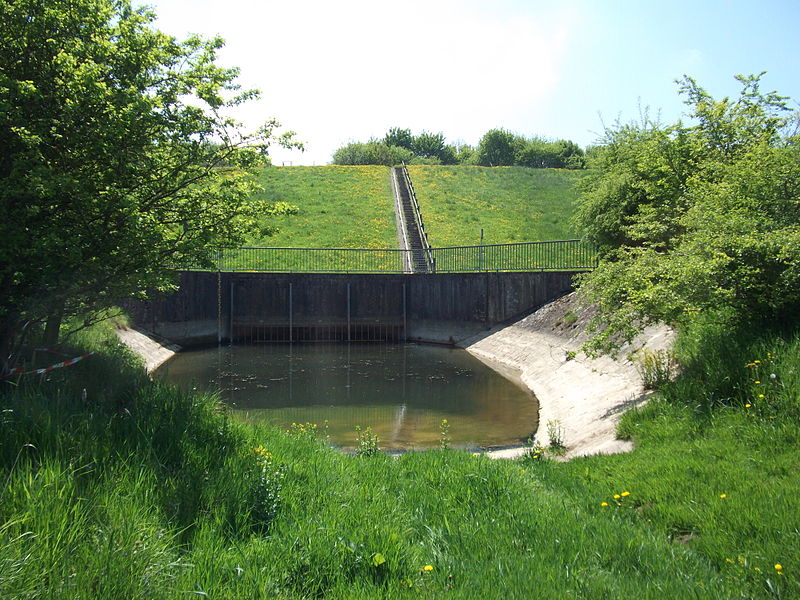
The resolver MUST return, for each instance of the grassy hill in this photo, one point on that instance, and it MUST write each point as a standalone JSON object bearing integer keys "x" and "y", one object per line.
{"x": 352, "y": 206}
{"x": 340, "y": 207}
{"x": 511, "y": 204}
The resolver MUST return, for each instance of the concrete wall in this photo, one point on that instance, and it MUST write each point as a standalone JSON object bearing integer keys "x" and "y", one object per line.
{"x": 428, "y": 307}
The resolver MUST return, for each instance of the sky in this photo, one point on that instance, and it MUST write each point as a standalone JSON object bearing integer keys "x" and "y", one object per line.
{"x": 349, "y": 70}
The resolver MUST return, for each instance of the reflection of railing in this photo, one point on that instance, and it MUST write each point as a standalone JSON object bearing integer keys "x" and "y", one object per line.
{"x": 562, "y": 255}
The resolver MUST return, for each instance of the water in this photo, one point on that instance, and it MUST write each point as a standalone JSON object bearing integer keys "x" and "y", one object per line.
{"x": 402, "y": 391}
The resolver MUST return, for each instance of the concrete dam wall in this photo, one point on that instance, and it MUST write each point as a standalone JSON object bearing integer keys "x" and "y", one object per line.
{"x": 210, "y": 307}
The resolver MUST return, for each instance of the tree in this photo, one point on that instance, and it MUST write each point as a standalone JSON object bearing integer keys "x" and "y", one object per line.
{"x": 696, "y": 218}
{"x": 118, "y": 158}
{"x": 499, "y": 148}
{"x": 401, "y": 138}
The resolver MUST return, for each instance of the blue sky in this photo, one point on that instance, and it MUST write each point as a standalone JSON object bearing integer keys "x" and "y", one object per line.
{"x": 344, "y": 71}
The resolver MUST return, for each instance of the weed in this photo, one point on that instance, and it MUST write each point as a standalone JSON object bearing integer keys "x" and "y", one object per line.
{"x": 367, "y": 442}
{"x": 655, "y": 368}
{"x": 555, "y": 436}
{"x": 444, "y": 435}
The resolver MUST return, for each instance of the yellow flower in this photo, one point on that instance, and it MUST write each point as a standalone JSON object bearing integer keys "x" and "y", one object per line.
{"x": 757, "y": 382}
{"x": 779, "y": 567}
{"x": 761, "y": 395}
{"x": 616, "y": 496}
{"x": 757, "y": 362}
{"x": 604, "y": 504}
{"x": 625, "y": 494}
{"x": 723, "y": 496}
{"x": 475, "y": 454}
{"x": 747, "y": 405}
{"x": 427, "y": 568}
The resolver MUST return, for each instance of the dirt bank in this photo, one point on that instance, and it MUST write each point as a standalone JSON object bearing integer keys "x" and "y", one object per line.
{"x": 585, "y": 395}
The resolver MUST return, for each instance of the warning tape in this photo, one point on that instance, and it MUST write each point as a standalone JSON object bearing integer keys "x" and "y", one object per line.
{"x": 66, "y": 363}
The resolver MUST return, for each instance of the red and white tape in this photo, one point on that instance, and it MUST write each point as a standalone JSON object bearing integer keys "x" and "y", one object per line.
{"x": 66, "y": 363}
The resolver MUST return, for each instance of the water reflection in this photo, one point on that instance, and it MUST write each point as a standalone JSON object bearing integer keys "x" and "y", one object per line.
{"x": 402, "y": 391}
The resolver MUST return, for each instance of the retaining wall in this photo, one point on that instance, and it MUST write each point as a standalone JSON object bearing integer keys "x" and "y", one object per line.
{"x": 210, "y": 307}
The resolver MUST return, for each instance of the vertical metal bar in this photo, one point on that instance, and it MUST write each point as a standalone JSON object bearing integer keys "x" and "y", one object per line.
{"x": 291, "y": 335}
{"x": 230, "y": 337}
{"x": 348, "y": 311}
{"x": 405, "y": 322}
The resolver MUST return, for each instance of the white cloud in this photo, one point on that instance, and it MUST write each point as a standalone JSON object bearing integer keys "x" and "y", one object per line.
{"x": 342, "y": 71}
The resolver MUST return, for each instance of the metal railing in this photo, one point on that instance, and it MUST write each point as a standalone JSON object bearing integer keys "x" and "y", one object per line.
{"x": 561, "y": 255}
{"x": 426, "y": 247}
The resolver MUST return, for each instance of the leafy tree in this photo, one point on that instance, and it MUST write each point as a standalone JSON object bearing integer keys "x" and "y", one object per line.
{"x": 371, "y": 153}
{"x": 401, "y": 138}
{"x": 118, "y": 159}
{"x": 498, "y": 148}
{"x": 698, "y": 217}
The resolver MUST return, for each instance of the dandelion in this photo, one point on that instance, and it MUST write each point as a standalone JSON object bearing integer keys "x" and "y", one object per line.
{"x": 758, "y": 362}
{"x": 757, "y": 382}
{"x": 748, "y": 405}
{"x": 617, "y": 496}
{"x": 779, "y": 567}
{"x": 475, "y": 454}
{"x": 427, "y": 568}
{"x": 723, "y": 496}
{"x": 761, "y": 395}
{"x": 604, "y": 504}
{"x": 623, "y": 494}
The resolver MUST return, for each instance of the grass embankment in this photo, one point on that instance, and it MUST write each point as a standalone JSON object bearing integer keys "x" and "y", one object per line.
{"x": 339, "y": 207}
{"x": 511, "y": 204}
{"x": 132, "y": 489}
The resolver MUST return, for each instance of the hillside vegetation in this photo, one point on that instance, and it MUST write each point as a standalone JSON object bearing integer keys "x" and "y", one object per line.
{"x": 511, "y": 204}
{"x": 337, "y": 207}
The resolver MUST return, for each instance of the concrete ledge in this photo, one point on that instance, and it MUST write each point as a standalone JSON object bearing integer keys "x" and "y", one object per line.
{"x": 586, "y": 396}
{"x": 152, "y": 352}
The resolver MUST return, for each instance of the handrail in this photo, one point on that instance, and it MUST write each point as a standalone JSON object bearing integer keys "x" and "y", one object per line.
{"x": 556, "y": 255}
{"x": 426, "y": 247}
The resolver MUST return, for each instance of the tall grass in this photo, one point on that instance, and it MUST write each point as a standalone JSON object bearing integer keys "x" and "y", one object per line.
{"x": 136, "y": 490}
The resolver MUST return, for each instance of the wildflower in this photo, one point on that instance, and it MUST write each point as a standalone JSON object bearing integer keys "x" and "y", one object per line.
{"x": 758, "y": 362}
{"x": 779, "y": 567}
{"x": 761, "y": 395}
{"x": 604, "y": 504}
{"x": 757, "y": 382}
{"x": 623, "y": 494}
{"x": 617, "y": 496}
{"x": 427, "y": 568}
{"x": 475, "y": 454}
{"x": 747, "y": 405}
{"x": 723, "y": 496}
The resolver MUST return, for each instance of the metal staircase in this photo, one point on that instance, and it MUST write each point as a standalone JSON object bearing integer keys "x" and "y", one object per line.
{"x": 410, "y": 221}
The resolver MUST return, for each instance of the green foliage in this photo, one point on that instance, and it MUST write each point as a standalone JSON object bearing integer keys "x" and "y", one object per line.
{"x": 140, "y": 491}
{"x": 371, "y": 153}
{"x": 655, "y": 368}
{"x": 367, "y": 442}
{"x": 117, "y": 160}
{"x": 401, "y": 138}
{"x": 498, "y": 148}
{"x": 696, "y": 217}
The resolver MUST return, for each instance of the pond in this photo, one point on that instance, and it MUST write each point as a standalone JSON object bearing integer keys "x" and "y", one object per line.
{"x": 402, "y": 391}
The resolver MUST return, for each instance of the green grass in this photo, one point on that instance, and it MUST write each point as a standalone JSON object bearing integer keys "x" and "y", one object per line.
{"x": 511, "y": 204}
{"x": 133, "y": 489}
{"x": 339, "y": 207}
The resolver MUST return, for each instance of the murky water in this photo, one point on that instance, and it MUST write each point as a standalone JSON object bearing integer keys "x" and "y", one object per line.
{"x": 402, "y": 391}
